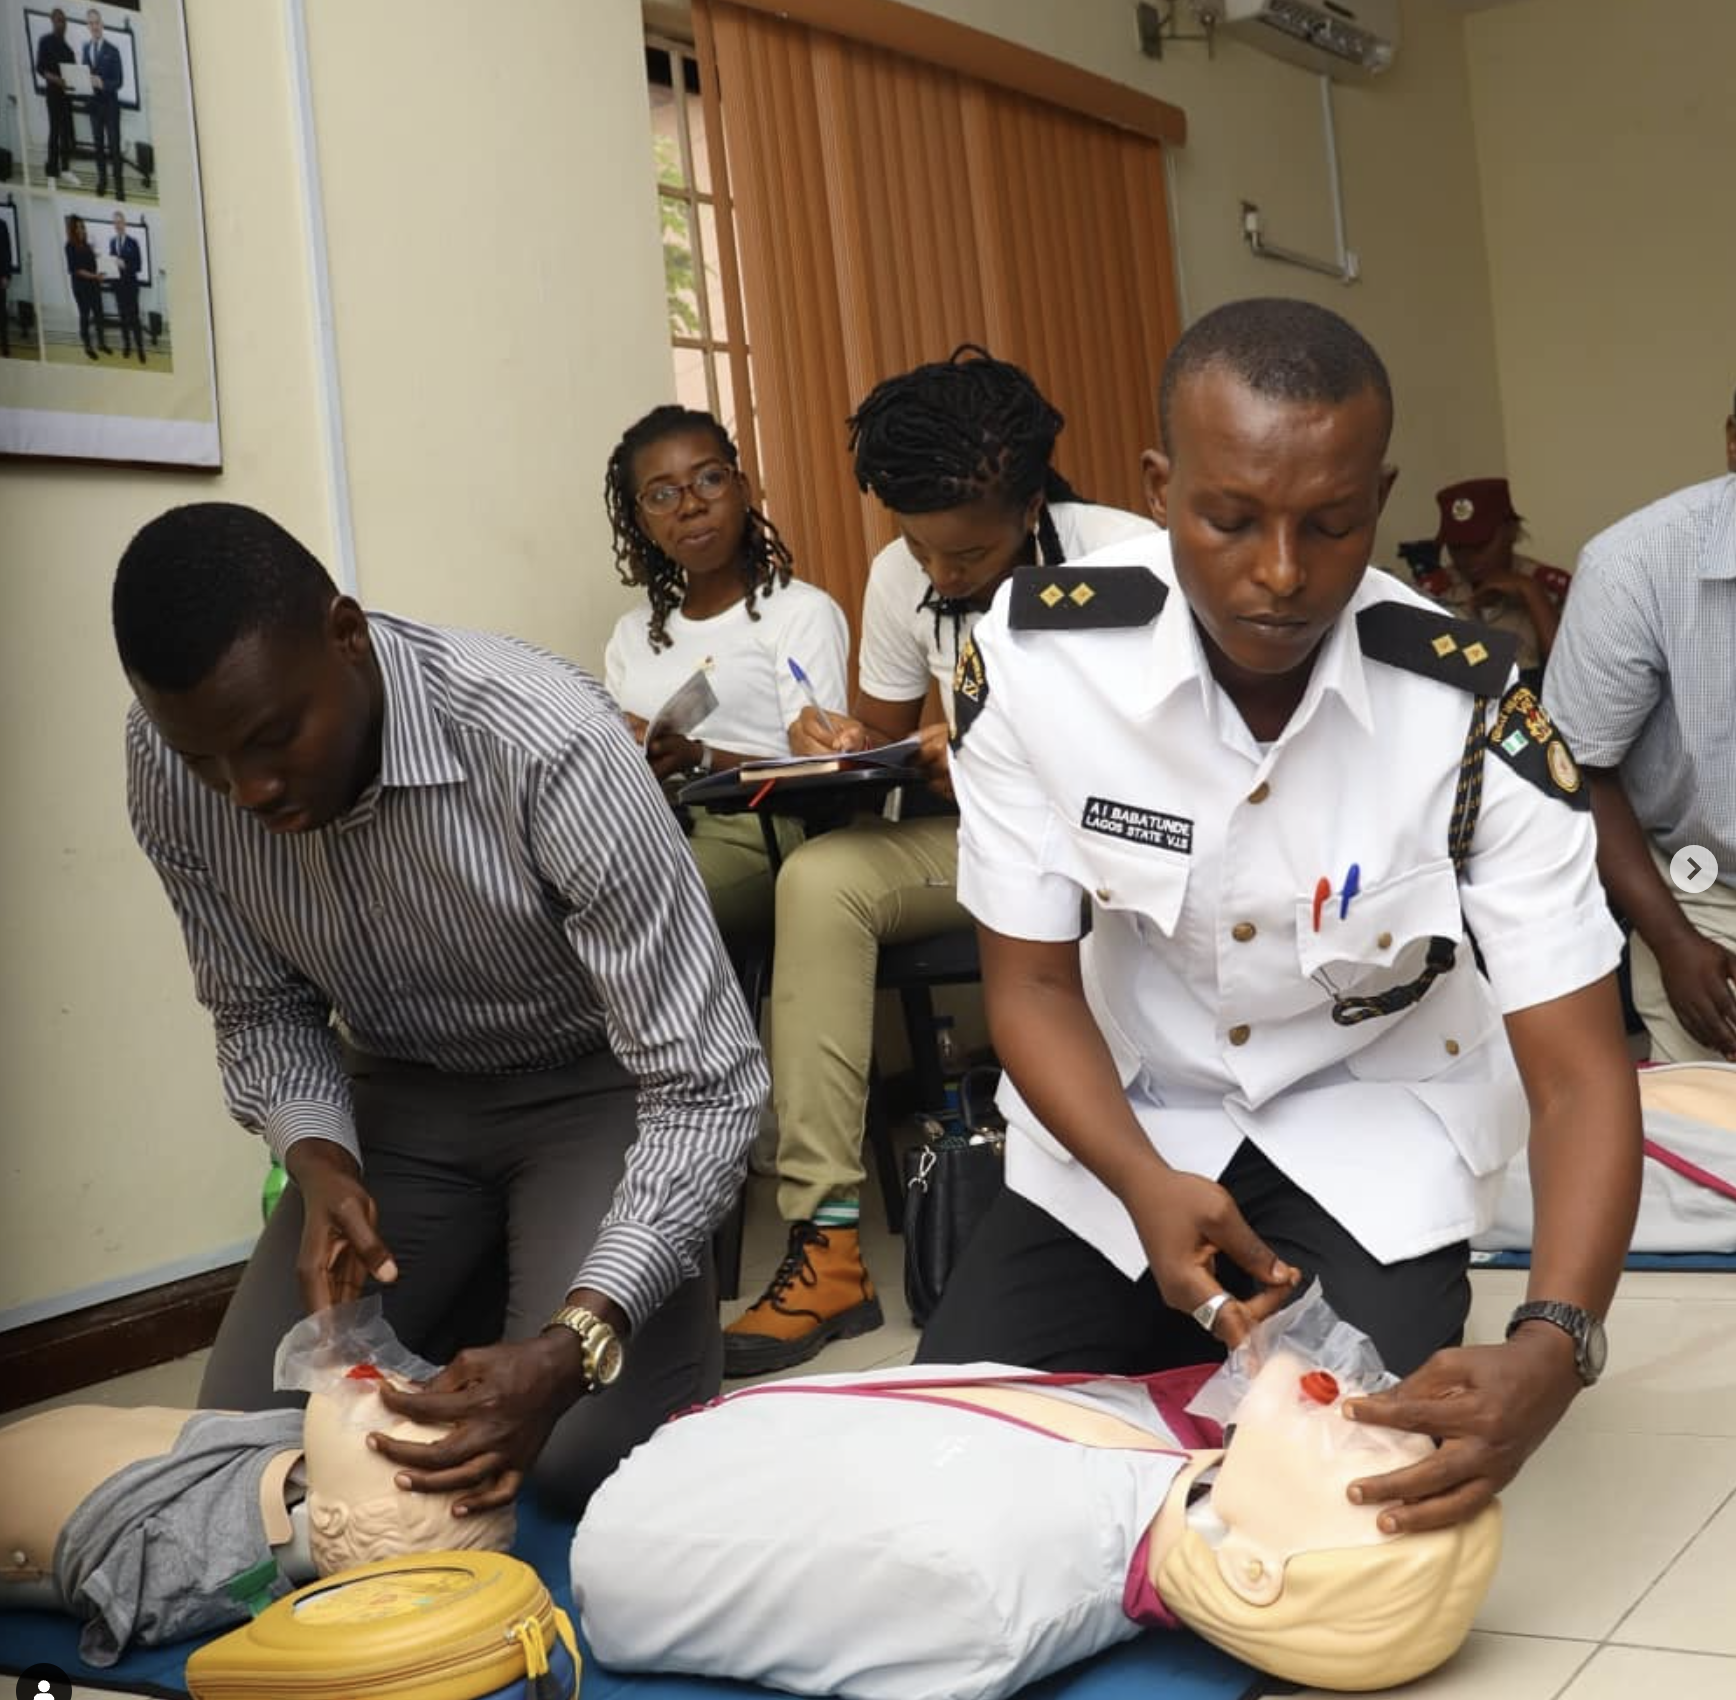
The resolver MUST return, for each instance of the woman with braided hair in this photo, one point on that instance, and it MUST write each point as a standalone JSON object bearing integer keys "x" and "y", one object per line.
{"x": 959, "y": 450}
{"x": 719, "y": 595}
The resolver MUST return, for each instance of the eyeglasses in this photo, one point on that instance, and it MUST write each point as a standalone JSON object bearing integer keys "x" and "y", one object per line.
{"x": 708, "y": 486}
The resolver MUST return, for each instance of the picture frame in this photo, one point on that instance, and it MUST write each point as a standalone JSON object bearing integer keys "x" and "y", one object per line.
{"x": 103, "y": 361}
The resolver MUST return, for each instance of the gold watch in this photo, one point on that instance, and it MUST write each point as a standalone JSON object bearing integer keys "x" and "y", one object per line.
{"x": 604, "y": 1356}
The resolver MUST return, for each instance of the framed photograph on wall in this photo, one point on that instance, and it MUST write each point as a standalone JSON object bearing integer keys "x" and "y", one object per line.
{"x": 109, "y": 352}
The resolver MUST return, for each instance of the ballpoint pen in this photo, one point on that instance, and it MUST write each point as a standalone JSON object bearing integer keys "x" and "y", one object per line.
{"x": 1322, "y": 891}
{"x": 808, "y": 691}
{"x": 1352, "y": 885}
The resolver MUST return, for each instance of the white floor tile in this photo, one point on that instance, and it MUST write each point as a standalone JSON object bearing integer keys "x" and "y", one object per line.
{"x": 1621, "y": 1673}
{"x": 1493, "y": 1667}
{"x": 1689, "y": 1608}
{"x": 1593, "y": 1520}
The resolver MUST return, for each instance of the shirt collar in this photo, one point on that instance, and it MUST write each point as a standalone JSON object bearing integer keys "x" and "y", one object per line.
{"x": 1178, "y": 661}
{"x": 413, "y": 746}
{"x": 1720, "y": 557}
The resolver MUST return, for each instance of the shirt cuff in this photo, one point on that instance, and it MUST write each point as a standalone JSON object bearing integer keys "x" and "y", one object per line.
{"x": 635, "y": 1267}
{"x": 309, "y": 1118}
{"x": 1539, "y": 963}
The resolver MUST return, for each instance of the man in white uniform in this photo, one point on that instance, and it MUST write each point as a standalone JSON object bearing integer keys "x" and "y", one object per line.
{"x": 1277, "y": 777}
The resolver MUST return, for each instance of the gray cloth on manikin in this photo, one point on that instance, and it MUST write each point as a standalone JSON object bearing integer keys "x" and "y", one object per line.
{"x": 147, "y": 1557}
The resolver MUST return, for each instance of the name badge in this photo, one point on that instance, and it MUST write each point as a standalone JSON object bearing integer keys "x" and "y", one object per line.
{"x": 1138, "y": 826}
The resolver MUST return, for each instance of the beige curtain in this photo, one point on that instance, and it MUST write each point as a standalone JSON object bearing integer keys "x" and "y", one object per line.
{"x": 887, "y": 209}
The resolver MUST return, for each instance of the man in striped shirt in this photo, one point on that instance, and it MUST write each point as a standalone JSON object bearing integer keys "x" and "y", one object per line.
{"x": 465, "y": 983}
{"x": 1642, "y": 682}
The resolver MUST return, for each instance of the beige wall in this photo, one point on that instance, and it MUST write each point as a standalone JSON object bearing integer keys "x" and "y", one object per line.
{"x": 497, "y": 290}
{"x": 1606, "y": 136}
{"x": 1408, "y": 168}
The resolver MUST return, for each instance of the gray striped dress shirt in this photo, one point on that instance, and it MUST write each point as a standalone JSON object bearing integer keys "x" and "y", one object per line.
{"x": 1643, "y": 672}
{"x": 512, "y": 893}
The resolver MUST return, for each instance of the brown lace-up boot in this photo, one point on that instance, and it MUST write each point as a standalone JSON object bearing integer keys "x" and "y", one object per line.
{"x": 822, "y": 1291}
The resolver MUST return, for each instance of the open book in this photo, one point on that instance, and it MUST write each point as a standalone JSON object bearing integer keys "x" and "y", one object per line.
{"x": 901, "y": 754}
{"x": 686, "y": 707}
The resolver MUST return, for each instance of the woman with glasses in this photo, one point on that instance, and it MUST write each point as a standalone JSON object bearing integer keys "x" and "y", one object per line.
{"x": 718, "y": 595}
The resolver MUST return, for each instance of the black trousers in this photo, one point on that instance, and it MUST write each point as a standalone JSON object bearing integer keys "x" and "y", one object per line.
{"x": 60, "y": 142}
{"x": 127, "y": 311}
{"x": 1030, "y": 1292}
{"x": 490, "y": 1191}
{"x": 105, "y": 134}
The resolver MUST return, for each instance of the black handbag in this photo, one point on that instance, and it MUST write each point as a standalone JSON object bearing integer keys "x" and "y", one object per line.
{"x": 951, "y": 1177}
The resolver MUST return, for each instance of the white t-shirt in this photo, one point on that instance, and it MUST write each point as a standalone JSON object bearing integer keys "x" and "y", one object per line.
{"x": 901, "y": 650}
{"x": 757, "y": 695}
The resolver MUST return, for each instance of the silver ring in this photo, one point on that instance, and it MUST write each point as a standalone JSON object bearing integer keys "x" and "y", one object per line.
{"x": 1206, "y": 1315}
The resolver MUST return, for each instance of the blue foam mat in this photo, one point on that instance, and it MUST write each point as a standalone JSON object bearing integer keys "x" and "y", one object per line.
{"x": 1688, "y": 1262}
{"x": 1156, "y": 1666}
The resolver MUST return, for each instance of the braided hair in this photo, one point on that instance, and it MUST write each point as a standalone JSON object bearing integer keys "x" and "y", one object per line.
{"x": 764, "y": 563}
{"x": 956, "y": 431}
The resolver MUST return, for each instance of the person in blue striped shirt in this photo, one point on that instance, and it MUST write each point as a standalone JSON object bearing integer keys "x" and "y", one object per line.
{"x": 466, "y": 985}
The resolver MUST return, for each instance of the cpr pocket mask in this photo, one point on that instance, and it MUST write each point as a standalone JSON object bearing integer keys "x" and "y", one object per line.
{"x": 341, "y": 1358}
{"x": 439, "y": 1626}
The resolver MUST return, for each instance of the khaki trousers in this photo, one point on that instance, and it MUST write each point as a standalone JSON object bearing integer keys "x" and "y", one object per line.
{"x": 1712, "y": 914}
{"x": 839, "y": 898}
{"x": 730, "y": 851}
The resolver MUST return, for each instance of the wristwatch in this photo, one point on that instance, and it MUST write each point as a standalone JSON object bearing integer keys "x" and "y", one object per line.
{"x": 1590, "y": 1345}
{"x": 703, "y": 765}
{"x": 604, "y": 1355}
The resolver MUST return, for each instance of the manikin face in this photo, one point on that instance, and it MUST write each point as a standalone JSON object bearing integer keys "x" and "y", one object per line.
{"x": 356, "y": 1510}
{"x": 285, "y": 725}
{"x": 1271, "y": 508}
{"x": 1493, "y": 555}
{"x": 1282, "y": 1487}
{"x": 966, "y": 551}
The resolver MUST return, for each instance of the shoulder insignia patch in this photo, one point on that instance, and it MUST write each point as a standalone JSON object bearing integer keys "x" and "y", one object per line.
{"x": 1423, "y": 640}
{"x": 1084, "y": 599}
{"x": 1526, "y": 739}
{"x": 970, "y": 690}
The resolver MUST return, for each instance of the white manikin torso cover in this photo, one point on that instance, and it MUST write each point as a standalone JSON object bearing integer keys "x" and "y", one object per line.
{"x": 872, "y": 1536}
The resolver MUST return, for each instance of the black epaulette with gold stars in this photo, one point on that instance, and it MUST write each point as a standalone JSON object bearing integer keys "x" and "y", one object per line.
{"x": 1084, "y": 599}
{"x": 1457, "y": 652}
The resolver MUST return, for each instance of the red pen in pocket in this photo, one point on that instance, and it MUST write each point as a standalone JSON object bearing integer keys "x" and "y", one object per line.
{"x": 1322, "y": 891}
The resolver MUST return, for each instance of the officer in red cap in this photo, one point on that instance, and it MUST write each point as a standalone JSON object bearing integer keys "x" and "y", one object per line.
{"x": 1485, "y": 579}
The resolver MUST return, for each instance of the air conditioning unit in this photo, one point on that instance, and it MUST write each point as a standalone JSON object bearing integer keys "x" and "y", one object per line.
{"x": 1354, "y": 38}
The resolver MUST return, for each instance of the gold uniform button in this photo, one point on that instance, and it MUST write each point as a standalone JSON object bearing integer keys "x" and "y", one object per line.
{"x": 1384, "y": 941}
{"x": 1242, "y": 931}
{"x": 1260, "y": 792}
{"x": 1103, "y": 894}
{"x": 1452, "y": 1047}
{"x": 1240, "y": 1034}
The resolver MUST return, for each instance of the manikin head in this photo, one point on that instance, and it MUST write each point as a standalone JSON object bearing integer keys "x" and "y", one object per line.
{"x": 356, "y": 1511}
{"x": 1279, "y": 1568}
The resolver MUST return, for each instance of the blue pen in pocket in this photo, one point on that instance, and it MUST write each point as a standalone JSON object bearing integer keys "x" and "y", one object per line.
{"x": 1352, "y": 885}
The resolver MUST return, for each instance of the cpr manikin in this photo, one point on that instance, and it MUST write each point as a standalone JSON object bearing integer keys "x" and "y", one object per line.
{"x": 1038, "y": 1519}
{"x": 154, "y": 1524}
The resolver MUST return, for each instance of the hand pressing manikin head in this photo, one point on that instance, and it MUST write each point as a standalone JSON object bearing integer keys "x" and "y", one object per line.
{"x": 356, "y": 1510}
{"x": 1279, "y": 1567}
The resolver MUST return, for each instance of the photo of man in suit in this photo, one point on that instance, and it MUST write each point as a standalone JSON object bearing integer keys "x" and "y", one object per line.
{"x": 124, "y": 247}
{"x": 107, "y": 78}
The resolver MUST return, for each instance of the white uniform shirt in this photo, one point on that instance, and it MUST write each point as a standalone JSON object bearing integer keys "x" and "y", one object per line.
{"x": 904, "y": 645}
{"x": 1201, "y": 854}
{"x": 757, "y": 695}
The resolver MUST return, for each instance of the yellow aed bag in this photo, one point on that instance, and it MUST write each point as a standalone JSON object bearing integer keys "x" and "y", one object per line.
{"x": 434, "y": 1626}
